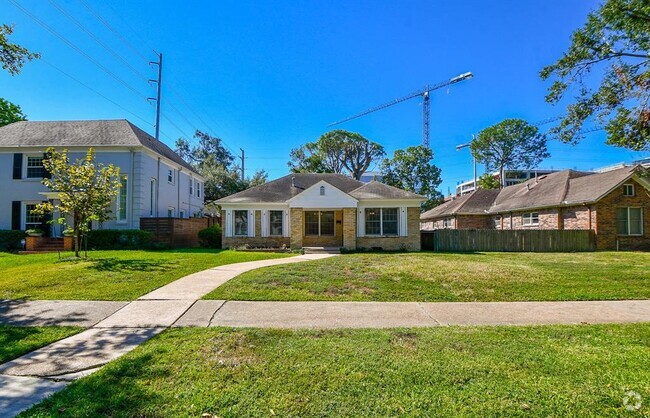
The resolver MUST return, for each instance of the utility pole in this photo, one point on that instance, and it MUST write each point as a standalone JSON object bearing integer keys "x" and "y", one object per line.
{"x": 242, "y": 164}
{"x": 159, "y": 63}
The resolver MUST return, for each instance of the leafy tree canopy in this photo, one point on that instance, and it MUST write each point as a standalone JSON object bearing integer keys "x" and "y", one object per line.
{"x": 488, "y": 181}
{"x": 216, "y": 164}
{"x": 12, "y": 56}
{"x": 512, "y": 143}
{"x": 336, "y": 151}
{"x": 85, "y": 190}
{"x": 412, "y": 170}
{"x": 612, "y": 50}
{"x": 10, "y": 113}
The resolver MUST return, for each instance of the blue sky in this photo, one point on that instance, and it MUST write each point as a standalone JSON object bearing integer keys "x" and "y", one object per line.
{"x": 269, "y": 76}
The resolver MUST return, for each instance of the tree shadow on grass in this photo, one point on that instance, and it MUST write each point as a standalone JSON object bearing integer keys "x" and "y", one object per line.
{"x": 116, "y": 390}
{"x": 117, "y": 265}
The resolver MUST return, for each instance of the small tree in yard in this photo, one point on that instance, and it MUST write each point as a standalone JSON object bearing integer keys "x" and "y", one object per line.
{"x": 86, "y": 190}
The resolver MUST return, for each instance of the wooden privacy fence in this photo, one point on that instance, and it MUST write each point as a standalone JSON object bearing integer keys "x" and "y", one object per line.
{"x": 533, "y": 240}
{"x": 176, "y": 232}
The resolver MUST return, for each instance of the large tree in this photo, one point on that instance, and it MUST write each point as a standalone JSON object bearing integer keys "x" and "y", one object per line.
{"x": 412, "y": 170}
{"x": 216, "y": 164}
{"x": 612, "y": 51}
{"x": 13, "y": 56}
{"x": 337, "y": 151}
{"x": 85, "y": 190}
{"x": 512, "y": 143}
{"x": 10, "y": 113}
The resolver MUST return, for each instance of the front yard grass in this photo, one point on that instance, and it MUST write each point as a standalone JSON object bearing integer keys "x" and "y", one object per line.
{"x": 107, "y": 275}
{"x": 449, "y": 277}
{"x": 582, "y": 370}
{"x": 16, "y": 341}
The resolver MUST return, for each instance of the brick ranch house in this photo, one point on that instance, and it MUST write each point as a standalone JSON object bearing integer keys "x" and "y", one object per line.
{"x": 613, "y": 204}
{"x": 322, "y": 210}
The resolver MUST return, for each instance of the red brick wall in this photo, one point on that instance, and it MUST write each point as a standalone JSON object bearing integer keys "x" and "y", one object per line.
{"x": 606, "y": 234}
{"x": 474, "y": 222}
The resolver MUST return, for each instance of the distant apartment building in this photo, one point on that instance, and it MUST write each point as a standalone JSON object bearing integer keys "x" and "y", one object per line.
{"x": 512, "y": 177}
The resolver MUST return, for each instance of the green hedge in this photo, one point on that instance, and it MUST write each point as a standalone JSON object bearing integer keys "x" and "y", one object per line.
{"x": 210, "y": 237}
{"x": 10, "y": 240}
{"x": 119, "y": 239}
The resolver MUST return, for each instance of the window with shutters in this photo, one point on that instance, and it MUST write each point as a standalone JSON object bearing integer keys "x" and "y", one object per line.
{"x": 35, "y": 167}
{"x": 382, "y": 221}
{"x": 240, "y": 222}
{"x": 276, "y": 223}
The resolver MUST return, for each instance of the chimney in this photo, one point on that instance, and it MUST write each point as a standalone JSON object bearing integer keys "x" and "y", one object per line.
{"x": 293, "y": 182}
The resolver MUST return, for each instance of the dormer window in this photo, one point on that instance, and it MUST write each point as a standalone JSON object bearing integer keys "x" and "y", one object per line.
{"x": 628, "y": 190}
{"x": 322, "y": 190}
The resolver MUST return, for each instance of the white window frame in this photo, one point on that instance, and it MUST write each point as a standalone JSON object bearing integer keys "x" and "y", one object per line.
{"x": 234, "y": 224}
{"x": 281, "y": 224}
{"x": 27, "y": 167}
{"x": 118, "y": 205}
{"x": 26, "y": 213}
{"x": 171, "y": 173}
{"x": 381, "y": 222}
{"x": 628, "y": 234}
{"x": 527, "y": 219}
{"x": 172, "y": 210}
{"x": 446, "y": 223}
{"x": 626, "y": 187}
{"x": 181, "y": 213}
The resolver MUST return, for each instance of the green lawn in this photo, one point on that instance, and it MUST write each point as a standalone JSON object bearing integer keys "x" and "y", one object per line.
{"x": 582, "y": 370}
{"x": 106, "y": 275}
{"x": 16, "y": 341}
{"x": 449, "y": 277}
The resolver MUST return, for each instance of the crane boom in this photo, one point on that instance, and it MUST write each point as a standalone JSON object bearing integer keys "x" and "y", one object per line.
{"x": 423, "y": 93}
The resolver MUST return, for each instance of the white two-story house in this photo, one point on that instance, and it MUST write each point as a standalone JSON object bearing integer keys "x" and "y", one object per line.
{"x": 156, "y": 182}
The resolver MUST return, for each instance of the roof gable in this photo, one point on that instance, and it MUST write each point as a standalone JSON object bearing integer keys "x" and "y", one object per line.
{"x": 378, "y": 190}
{"x": 330, "y": 198}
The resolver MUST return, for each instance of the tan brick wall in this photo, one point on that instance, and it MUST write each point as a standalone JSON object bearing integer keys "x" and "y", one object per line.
{"x": 606, "y": 233}
{"x": 257, "y": 241}
{"x": 548, "y": 219}
{"x": 577, "y": 217}
{"x": 408, "y": 243}
{"x": 350, "y": 228}
{"x": 296, "y": 228}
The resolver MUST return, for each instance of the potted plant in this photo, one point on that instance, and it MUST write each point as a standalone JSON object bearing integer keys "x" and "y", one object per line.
{"x": 68, "y": 232}
{"x": 35, "y": 232}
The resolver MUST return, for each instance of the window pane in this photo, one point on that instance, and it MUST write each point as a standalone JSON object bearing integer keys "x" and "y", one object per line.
{"x": 373, "y": 226}
{"x": 121, "y": 200}
{"x": 241, "y": 222}
{"x": 311, "y": 223}
{"x": 621, "y": 221}
{"x": 327, "y": 223}
{"x": 636, "y": 221}
{"x": 390, "y": 216}
{"x": 35, "y": 167}
{"x": 275, "y": 222}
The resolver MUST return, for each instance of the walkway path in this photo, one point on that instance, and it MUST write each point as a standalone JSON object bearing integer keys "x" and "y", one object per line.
{"x": 115, "y": 329}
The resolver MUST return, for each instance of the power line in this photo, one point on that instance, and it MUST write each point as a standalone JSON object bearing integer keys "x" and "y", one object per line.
{"x": 99, "y": 41}
{"x": 109, "y": 27}
{"x": 76, "y": 48}
{"x": 95, "y": 91}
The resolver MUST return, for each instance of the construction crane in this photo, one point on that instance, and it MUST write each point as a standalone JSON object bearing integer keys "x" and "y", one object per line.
{"x": 426, "y": 105}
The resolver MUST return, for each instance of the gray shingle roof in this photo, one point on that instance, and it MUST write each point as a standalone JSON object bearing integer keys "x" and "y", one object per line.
{"x": 378, "y": 190}
{"x": 84, "y": 133}
{"x": 281, "y": 190}
{"x": 475, "y": 203}
{"x": 563, "y": 188}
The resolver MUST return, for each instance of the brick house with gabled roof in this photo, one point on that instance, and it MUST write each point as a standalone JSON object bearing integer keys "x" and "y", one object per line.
{"x": 614, "y": 204}
{"x": 322, "y": 210}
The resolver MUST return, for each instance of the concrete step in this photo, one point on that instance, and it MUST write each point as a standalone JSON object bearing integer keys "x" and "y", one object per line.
{"x": 322, "y": 250}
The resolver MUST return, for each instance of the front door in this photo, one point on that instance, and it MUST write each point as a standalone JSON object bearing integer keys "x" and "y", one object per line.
{"x": 322, "y": 228}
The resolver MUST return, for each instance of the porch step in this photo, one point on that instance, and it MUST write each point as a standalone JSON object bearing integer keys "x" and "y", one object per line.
{"x": 321, "y": 250}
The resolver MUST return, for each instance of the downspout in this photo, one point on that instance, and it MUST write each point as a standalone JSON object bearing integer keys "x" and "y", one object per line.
{"x": 157, "y": 189}
{"x": 178, "y": 191}
{"x": 130, "y": 184}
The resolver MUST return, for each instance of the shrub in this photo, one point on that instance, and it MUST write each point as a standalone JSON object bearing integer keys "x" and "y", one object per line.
{"x": 119, "y": 239}
{"x": 210, "y": 237}
{"x": 10, "y": 240}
